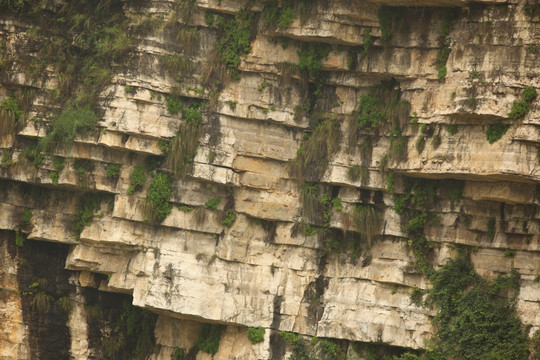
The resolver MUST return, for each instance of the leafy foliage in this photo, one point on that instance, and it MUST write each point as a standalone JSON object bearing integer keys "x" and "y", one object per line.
{"x": 235, "y": 41}
{"x": 137, "y": 179}
{"x": 159, "y": 192}
{"x": 255, "y": 335}
{"x": 529, "y": 94}
{"x": 71, "y": 122}
{"x": 316, "y": 349}
{"x": 88, "y": 204}
{"x": 27, "y": 216}
{"x": 496, "y": 131}
{"x": 230, "y": 216}
{"x": 212, "y": 203}
{"x": 174, "y": 105}
{"x": 113, "y": 171}
{"x": 520, "y": 108}
{"x": 311, "y": 57}
{"x": 10, "y": 115}
{"x": 477, "y": 320}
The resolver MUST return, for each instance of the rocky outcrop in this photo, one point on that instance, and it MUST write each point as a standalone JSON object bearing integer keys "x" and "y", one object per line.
{"x": 276, "y": 266}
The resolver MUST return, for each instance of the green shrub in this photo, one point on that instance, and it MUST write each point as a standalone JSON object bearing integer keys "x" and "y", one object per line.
{"x": 452, "y": 129}
{"x": 137, "y": 179}
{"x": 529, "y": 94}
{"x": 370, "y": 112}
{"x": 10, "y": 115}
{"x": 212, "y": 203}
{"x": 88, "y": 204}
{"x": 113, "y": 171}
{"x": 336, "y": 204}
{"x": 520, "y": 108}
{"x": 235, "y": 41}
{"x": 192, "y": 115}
{"x": 159, "y": 192}
{"x": 71, "y": 122}
{"x": 312, "y": 56}
{"x": 128, "y": 89}
{"x": 286, "y": 18}
{"x": 255, "y": 335}
{"x": 210, "y": 337}
{"x": 54, "y": 176}
{"x": 27, "y": 216}
{"x": 59, "y": 163}
{"x": 230, "y": 216}
{"x": 496, "y": 131}
{"x": 441, "y": 72}
{"x": 174, "y": 105}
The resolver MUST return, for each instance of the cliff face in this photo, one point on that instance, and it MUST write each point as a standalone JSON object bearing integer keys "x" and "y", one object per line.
{"x": 282, "y": 162}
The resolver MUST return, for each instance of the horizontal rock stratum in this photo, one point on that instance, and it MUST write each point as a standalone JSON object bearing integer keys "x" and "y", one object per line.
{"x": 188, "y": 164}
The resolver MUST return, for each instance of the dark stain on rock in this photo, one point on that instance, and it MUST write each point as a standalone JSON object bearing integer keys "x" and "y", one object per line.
{"x": 41, "y": 274}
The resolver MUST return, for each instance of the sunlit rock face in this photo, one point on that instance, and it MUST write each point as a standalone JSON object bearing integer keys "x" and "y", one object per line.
{"x": 243, "y": 245}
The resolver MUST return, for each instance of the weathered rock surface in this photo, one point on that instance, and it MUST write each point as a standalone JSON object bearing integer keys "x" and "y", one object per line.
{"x": 263, "y": 271}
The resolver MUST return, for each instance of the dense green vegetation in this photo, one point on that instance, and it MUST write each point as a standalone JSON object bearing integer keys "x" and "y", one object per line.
{"x": 235, "y": 41}
{"x": 316, "y": 349}
{"x": 159, "y": 192}
{"x": 137, "y": 179}
{"x": 184, "y": 145}
{"x": 255, "y": 334}
{"x": 496, "y": 131}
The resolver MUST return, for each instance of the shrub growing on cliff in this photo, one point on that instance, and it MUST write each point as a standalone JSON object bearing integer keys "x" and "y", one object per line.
{"x": 520, "y": 108}
{"x": 71, "y": 122}
{"x": 529, "y": 94}
{"x": 10, "y": 114}
{"x": 255, "y": 335}
{"x": 230, "y": 216}
{"x": 212, "y": 204}
{"x": 159, "y": 192}
{"x": 112, "y": 171}
{"x": 235, "y": 41}
{"x": 496, "y": 131}
{"x": 137, "y": 179}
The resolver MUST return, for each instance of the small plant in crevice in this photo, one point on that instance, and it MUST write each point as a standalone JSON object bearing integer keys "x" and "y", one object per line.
{"x": 436, "y": 142}
{"x": 229, "y": 217}
{"x": 174, "y": 105}
{"x": 449, "y": 16}
{"x": 89, "y": 203}
{"x": 452, "y": 129}
{"x": 255, "y": 334}
{"x": 112, "y": 171}
{"x": 212, "y": 204}
{"x": 10, "y": 116}
{"x": 159, "y": 191}
{"x": 137, "y": 179}
{"x": 366, "y": 42}
{"x": 420, "y": 144}
{"x": 20, "y": 238}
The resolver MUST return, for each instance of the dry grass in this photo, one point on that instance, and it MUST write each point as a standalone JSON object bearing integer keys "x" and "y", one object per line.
{"x": 368, "y": 221}
{"x": 312, "y": 160}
